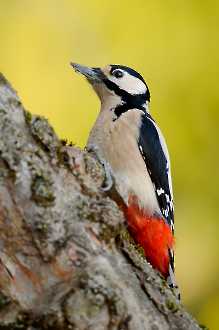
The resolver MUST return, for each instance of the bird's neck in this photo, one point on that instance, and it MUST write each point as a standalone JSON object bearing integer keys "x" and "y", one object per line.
{"x": 118, "y": 106}
{"x": 110, "y": 103}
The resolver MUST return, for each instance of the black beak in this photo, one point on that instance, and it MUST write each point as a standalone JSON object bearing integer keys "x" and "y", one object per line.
{"x": 94, "y": 75}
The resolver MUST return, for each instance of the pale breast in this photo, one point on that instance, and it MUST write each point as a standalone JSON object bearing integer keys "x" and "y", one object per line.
{"x": 118, "y": 144}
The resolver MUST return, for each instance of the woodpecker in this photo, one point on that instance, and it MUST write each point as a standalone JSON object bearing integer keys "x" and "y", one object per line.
{"x": 128, "y": 139}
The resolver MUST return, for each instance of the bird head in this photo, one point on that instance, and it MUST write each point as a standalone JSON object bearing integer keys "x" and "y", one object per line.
{"x": 118, "y": 83}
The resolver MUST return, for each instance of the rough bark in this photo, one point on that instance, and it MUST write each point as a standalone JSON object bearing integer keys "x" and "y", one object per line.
{"x": 66, "y": 259}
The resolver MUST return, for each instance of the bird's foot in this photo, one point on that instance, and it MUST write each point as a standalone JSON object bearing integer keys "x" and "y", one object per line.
{"x": 108, "y": 180}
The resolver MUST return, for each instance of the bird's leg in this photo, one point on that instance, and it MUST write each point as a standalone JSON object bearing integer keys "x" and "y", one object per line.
{"x": 108, "y": 180}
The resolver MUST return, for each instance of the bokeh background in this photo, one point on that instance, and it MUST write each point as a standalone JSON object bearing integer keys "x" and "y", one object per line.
{"x": 175, "y": 45}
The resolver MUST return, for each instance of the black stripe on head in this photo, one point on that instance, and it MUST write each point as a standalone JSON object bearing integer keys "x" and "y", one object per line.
{"x": 148, "y": 95}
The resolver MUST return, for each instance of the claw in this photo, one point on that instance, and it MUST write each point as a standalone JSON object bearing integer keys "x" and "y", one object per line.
{"x": 108, "y": 181}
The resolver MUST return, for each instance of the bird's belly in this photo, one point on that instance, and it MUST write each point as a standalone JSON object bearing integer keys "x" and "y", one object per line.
{"x": 120, "y": 149}
{"x": 131, "y": 176}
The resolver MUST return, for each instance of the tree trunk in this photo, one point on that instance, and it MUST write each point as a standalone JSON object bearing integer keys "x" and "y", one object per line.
{"x": 66, "y": 258}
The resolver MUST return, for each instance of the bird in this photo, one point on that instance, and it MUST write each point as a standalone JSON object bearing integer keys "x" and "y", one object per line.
{"x": 134, "y": 153}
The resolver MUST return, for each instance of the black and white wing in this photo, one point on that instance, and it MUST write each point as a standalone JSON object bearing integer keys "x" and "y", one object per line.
{"x": 154, "y": 151}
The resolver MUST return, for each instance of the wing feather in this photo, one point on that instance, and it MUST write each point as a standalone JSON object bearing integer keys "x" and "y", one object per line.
{"x": 155, "y": 154}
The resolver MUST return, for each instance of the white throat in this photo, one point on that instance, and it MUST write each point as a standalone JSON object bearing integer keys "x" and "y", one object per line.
{"x": 110, "y": 103}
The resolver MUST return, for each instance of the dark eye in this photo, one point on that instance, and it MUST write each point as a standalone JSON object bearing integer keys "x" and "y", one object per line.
{"x": 117, "y": 73}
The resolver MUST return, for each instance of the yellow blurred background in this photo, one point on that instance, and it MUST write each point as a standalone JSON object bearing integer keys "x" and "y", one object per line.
{"x": 174, "y": 44}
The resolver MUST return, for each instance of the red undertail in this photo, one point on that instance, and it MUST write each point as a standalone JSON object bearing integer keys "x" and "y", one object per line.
{"x": 153, "y": 234}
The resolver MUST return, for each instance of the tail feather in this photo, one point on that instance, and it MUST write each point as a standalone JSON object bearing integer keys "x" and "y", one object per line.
{"x": 172, "y": 283}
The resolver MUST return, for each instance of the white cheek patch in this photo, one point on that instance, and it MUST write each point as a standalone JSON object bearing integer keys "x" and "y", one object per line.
{"x": 129, "y": 83}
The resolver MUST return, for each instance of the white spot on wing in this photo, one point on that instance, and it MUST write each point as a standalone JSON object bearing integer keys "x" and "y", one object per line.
{"x": 167, "y": 198}
{"x": 160, "y": 191}
{"x": 166, "y": 213}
